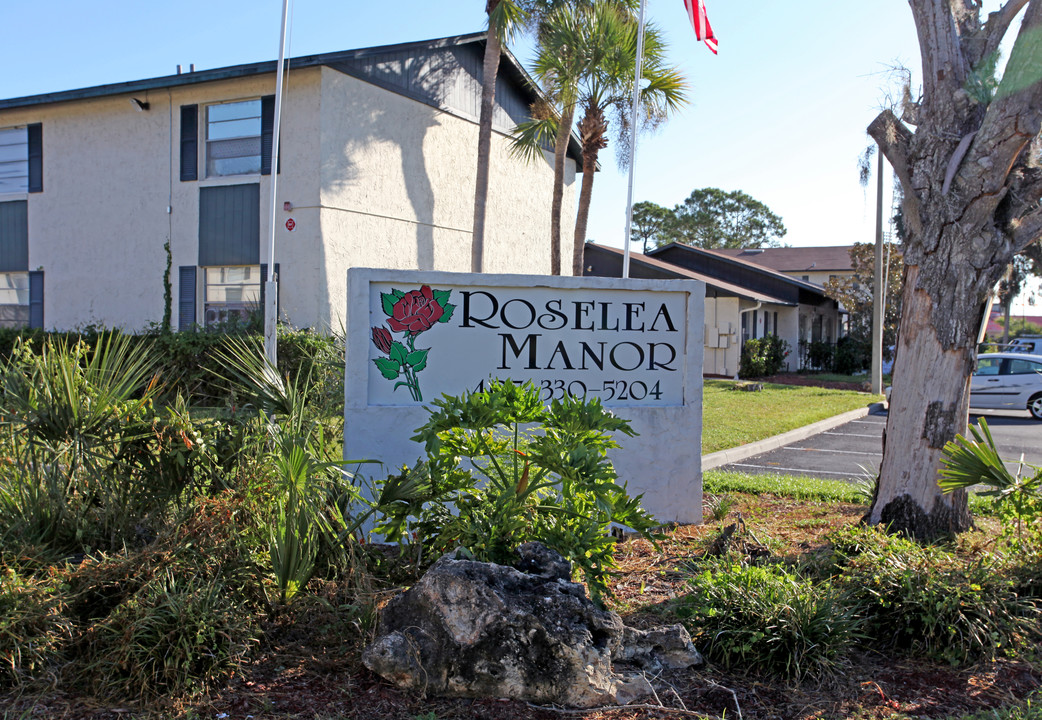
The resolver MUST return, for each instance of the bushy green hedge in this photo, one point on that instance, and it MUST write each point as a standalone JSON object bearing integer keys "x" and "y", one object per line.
{"x": 190, "y": 364}
{"x": 762, "y": 357}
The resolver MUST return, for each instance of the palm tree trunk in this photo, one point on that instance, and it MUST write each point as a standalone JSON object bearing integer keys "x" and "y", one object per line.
{"x": 489, "y": 70}
{"x": 592, "y": 131}
{"x": 564, "y": 132}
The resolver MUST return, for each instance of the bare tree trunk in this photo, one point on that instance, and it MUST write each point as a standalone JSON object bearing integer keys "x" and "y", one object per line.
{"x": 564, "y": 134}
{"x": 489, "y": 71}
{"x": 970, "y": 203}
{"x": 928, "y": 405}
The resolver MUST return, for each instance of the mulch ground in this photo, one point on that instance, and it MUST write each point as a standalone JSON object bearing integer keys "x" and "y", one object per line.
{"x": 308, "y": 666}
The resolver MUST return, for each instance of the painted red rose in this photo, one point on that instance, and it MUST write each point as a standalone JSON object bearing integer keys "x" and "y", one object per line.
{"x": 382, "y": 339}
{"x": 415, "y": 312}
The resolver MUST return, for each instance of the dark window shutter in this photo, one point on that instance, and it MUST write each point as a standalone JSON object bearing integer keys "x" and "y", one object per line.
{"x": 189, "y": 142}
{"x": 36, "y": 299}
{"x": 35, "y": 133}
{"x": 186, "y": 297}
{"x": 267, "y": 132}
{"x": 278, "y": 281}
{"x": 14, "y": 236}
{"x": 229, "y": 225}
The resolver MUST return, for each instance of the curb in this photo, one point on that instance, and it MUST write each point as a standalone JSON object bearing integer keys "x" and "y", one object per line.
{"x": 743, "y": 452}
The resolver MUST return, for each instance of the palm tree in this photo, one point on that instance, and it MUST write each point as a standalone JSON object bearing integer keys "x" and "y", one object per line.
{"x": 607, "y": 87}
{"x": 563, "y": 58}
{"x": 504, "y": 16}
{"x": 505, "y": 19}
{"x": 586, "y": 60}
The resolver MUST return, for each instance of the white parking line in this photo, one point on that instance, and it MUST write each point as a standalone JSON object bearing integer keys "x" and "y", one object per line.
{"x": 802, "y": 471}
{"x": 870, "y": 422}
{"x": 868, "y": 435}
{"x": 822, "y": 450}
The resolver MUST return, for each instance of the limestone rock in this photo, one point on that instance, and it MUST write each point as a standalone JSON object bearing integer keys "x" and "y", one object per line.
{"x": 652, "y": 649}
{"x": 474, "y": 629}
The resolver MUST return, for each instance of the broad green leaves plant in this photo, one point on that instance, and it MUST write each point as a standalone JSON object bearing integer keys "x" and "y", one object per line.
{"x": 502, "y": 469}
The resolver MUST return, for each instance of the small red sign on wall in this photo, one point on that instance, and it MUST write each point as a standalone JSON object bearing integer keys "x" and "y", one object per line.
{"x": 290, "y": 224}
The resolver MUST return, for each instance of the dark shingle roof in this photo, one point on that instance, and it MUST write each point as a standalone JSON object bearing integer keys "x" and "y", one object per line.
{"x": 655, "y": 268}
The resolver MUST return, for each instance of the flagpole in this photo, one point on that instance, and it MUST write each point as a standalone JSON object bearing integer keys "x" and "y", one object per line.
{"x": 271, "y": 285}
{"x": 633, "y": 142}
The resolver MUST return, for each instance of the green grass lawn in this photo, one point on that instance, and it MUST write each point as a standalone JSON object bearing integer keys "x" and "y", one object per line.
{"x": 731, "y": 418}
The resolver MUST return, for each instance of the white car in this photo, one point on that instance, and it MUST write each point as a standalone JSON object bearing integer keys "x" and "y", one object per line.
{"x": 1007, "y": 381}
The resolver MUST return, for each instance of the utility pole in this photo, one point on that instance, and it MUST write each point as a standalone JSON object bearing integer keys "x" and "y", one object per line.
{"x": 877, "y": 290}
{"x": 633, "y": 140}
{"x": 271, "y": 285}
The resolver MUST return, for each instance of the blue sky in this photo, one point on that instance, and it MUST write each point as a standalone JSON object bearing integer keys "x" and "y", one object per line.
{"x": 780, "y": 113}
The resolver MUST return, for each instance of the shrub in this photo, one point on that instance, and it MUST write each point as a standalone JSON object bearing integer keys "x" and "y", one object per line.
{"x": 82, "y": 468}
{"x": 188, "y": 362}
{"x": 1018, "y": 498}
{"x": 818, "y": 354}
{"x": 927, "y": 602}
{"x": 762, "y": 357}
{"x": 34, "y": 627}
{"x": 851, "y": 356}
{"x": 175, "y": 616}
{"x": 503, "y": 469}
{"x": 177, "y": 634}
{"x": 765, "y": 619}
{"x": 311, "y": 499}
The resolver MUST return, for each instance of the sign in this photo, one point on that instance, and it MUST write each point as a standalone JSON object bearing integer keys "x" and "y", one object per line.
{"x": 636, "y": 345}
{"x": 622, "y": 346}
{"x": 290, "y": 224}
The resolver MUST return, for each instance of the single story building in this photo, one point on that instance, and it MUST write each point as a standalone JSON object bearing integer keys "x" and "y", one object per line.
{"x": 743, "y": 301}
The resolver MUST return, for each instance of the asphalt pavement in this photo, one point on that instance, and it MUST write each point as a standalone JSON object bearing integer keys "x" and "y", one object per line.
{"x": 854, "y": 450}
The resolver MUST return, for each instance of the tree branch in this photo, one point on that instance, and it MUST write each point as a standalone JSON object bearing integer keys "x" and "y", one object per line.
{"x": 1014, "y": 117}
{"x": 1027, "y": 229}
{"x": 893, "y": 138}
{"x": 997, "y": 25}
{"x": 945, "y": 66}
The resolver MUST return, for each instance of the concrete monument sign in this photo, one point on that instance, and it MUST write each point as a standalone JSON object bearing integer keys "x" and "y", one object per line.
{"x": 635, "y": 344}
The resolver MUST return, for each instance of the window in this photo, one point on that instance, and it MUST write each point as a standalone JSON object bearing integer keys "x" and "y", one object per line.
{"x": 1024, "y": 367}
{"x": 21, "y": 159}
{"x": 233, "y": 138}
{"x": 231, "y": 293}
{"x": 988, "y": 366}
{"x": 14, "y": 160}
{"x": 14, "y": 299}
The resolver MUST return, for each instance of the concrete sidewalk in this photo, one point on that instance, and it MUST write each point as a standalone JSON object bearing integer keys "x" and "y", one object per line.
{"x": 743, "y": 452}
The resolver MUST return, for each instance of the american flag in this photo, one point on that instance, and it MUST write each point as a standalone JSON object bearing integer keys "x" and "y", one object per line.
{"x": 696, "y": 13}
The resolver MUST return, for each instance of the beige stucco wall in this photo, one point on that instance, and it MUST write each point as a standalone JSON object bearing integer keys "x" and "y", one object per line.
{"x": 297, "y": 182}
{"x": 397, "y": 190}
{"x": 100, "y": 246}
{"x": 374, "y": 179}
{"x": 722, "y": 336}
{"x": 113, "y": 196}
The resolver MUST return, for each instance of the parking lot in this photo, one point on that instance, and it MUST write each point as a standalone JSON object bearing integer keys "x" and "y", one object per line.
{"x": 854, "y": 450}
